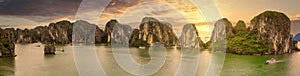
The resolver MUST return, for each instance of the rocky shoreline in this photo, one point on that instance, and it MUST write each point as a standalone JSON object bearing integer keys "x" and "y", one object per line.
{"x": 272, "y": 26}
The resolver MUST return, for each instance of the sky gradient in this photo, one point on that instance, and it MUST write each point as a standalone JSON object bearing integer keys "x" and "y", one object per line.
{"x": 28, "y": 13}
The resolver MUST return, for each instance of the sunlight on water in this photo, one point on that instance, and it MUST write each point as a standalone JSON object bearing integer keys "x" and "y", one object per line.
{"x": 31, "y": 61}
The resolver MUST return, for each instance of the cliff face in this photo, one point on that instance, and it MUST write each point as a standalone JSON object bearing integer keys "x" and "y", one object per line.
{"x": 49, "y": 49}
{"x": 240, "y": 26}
{"x": 109, "y": 28}
{"x": 99, "y": 36}
{"x": 85, "y": 32}
{"x": 121, "y": 34}
{"x": 117, "y": 33}
{"x": 222, "y": 29}
{"x": 7, "y": 45}
{"x": 23, "y": 36}
{"x": 151, "y": 30}
{"x": 189, "y": 37}
{"x": 275, "y": 28}
{"x": 58, "y": 33}
{"x": 54, "y": 33}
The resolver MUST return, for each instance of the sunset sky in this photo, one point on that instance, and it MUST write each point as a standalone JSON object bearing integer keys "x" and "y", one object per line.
{"x": 177, "y": 12}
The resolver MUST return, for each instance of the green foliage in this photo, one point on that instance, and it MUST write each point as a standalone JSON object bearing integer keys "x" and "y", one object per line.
{"x": 245, "y": 42}
{"x": 70, "y": 32}
{"x": 240, "y": 26}
{"x": 34, "y": 35}
{"x": 5, "y": 48}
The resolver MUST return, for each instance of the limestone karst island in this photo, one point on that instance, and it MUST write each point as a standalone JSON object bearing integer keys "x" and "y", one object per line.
{"x": 268, "y": 34}
{"x": 149, "y": 38}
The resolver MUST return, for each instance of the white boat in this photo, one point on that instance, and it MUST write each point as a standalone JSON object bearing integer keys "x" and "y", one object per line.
{"x": 271, "y": 61}
{"x": 142, "y": 47}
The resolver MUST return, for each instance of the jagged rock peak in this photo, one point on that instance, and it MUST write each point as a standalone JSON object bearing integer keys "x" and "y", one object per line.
{"x": 274, "y": 27}
{"x": 276, "y": 18}
{"x": 82, "y": 22}
{"x": 109, "y": 28}
{"x": 168, "y": 24}
{"x": 111, "y": 22}
{"x": 189, "y": 37}
{"x": 190, "y": 26}
{"x": 240, "y": 23}
{"x": 110, "y": 25}
{"x": 149, "y": 19}
{"x": 120, "y": 34}
{"x": 63, "y": 22}
{"x": 114, "y": 20}
{"x": 225, "y": 22}
{"x": 150, "y": 31}
{"x": 269, "y": 15}
{"x": 222, "y": 28}
{"x": 240, "y": 26}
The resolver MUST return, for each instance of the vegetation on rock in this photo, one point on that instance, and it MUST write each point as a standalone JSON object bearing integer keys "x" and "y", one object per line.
{"x": 245, "y": 42}
{"x": 6, "y": 46}
{"x": 269, "y": 33}
{"x": 49, "y": 49}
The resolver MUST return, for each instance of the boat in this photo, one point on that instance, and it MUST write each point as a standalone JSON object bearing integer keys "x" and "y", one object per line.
{"x": 271, "y": 61}
{"x": 142, "y": 47}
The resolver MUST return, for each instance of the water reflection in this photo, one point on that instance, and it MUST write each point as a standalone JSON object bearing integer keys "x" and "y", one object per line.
{"x": 7, "y": 66}
{"x": 142, "y": 56}
{"x": 189, "y": 62}
{"x": 31, "y": 61}
{"x": 205, "y": 58}
{"x": 294, "y": 64}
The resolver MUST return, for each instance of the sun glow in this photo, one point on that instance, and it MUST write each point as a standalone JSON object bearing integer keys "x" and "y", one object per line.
{"x": 204, "y": 32}
{"x": 177, "y": 13}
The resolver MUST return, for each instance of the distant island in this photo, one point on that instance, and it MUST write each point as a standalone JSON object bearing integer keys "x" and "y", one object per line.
{"x": 269, "y": 33}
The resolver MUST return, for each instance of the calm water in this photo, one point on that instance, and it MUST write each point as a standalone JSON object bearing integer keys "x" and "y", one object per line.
{"x": 32, "y": 62}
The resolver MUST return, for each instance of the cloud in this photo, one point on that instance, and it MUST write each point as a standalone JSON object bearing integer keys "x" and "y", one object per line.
{"x": 11, "y": 20}
{"x": 43, "y": 11}
{"x": 39, "y": 7}
{"x": 119, "y": 6}
{"x": 49, "y": 10}
{"x": 39, "y": 10}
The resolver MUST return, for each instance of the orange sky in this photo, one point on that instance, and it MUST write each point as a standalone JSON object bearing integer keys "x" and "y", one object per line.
{"x": 177, "y": 13}
{"x": 32, "y": 12}
{"x": 131, "y": 12}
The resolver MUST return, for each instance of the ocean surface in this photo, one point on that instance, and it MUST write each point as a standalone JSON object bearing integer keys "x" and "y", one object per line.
{"x": 31, "y": 61}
